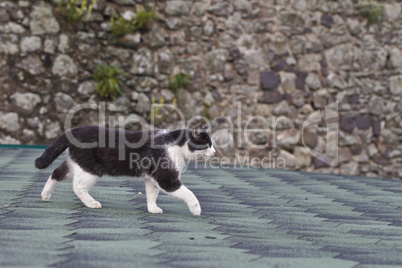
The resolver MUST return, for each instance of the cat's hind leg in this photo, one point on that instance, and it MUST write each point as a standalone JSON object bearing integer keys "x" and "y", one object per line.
{"x": 82, "y": 183}
{"x": 59, "y": 174}
{"x": 152, "y": 192}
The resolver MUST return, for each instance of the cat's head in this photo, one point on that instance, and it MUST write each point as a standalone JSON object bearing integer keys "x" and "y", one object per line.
{"x": 200, "y": 143}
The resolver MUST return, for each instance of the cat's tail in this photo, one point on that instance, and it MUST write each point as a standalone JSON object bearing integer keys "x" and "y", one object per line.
{"x": 52, "y": 152}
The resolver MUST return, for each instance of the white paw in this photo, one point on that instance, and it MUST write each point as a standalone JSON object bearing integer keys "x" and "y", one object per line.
{"x": 94, "y": 204}
{"x": 195, "y": 209}
{"x": 155, "y": 210}
{"x": 45, "y": 197}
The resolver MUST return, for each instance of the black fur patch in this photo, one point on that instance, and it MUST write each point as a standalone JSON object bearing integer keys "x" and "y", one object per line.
{"x": 199, "y": 141}
{"x": 61, "y": 172}
{"x": 52, "y": 152}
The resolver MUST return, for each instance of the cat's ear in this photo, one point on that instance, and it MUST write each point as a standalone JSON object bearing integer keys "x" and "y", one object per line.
{"x": 198, "y": 126}
{"x": 196, "y": 130}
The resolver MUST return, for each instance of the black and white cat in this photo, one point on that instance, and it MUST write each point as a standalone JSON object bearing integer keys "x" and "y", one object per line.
{"x": 159, "y": 156}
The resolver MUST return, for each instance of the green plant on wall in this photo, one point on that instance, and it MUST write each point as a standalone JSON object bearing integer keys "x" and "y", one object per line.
{"x": 144, "y": 18}
{"x": 156, "y": 116}
{"x": 120, "y": 27}
{"x": 75, "y": 12}
{"x": 142, "y": 21}
{"x": 179, "y": 81}
{"x": 371, "y": 10}
{"x": 108, "y": 81}
{"x": 206, "y": 112}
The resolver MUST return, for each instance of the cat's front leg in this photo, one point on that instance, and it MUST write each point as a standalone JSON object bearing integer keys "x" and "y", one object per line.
{"x": 152, "y": 194}
{"x": 187, "y": 196}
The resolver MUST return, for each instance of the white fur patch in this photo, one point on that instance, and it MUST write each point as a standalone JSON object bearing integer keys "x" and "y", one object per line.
{"x": 51, "y": 183}
{"x": 82, "y": 182}
{"x": 179, "y": 155}
{"x": 187, "y": 196}
{"x": 152, "y": 192}
{"x": 48, "y": 189}
{"x": 208, "y": 153}
{"x": 160, "y": 132}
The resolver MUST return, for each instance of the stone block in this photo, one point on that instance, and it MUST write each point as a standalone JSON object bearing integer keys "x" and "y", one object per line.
{"x": 64, "y": 66}
{"x": 43, "y": 20}
{"x": 269, "y": 80}
{"x": 309, "y": 62}
{"x": 326, "y": 20}
{"x": 395, "y": 84}
{"x": 347, "y": 124}
{"x": 302, "y": 157}
{"x": 272, "y": 96}
{"x": 26, "y": 101}
{"x": 363, "y": 121}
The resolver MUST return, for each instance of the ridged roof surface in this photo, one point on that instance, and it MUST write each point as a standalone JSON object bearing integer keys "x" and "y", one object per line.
{"x": 258, "y": 217}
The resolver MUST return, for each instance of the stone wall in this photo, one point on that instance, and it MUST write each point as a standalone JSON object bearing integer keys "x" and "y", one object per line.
{"x": 278, "y": 60}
